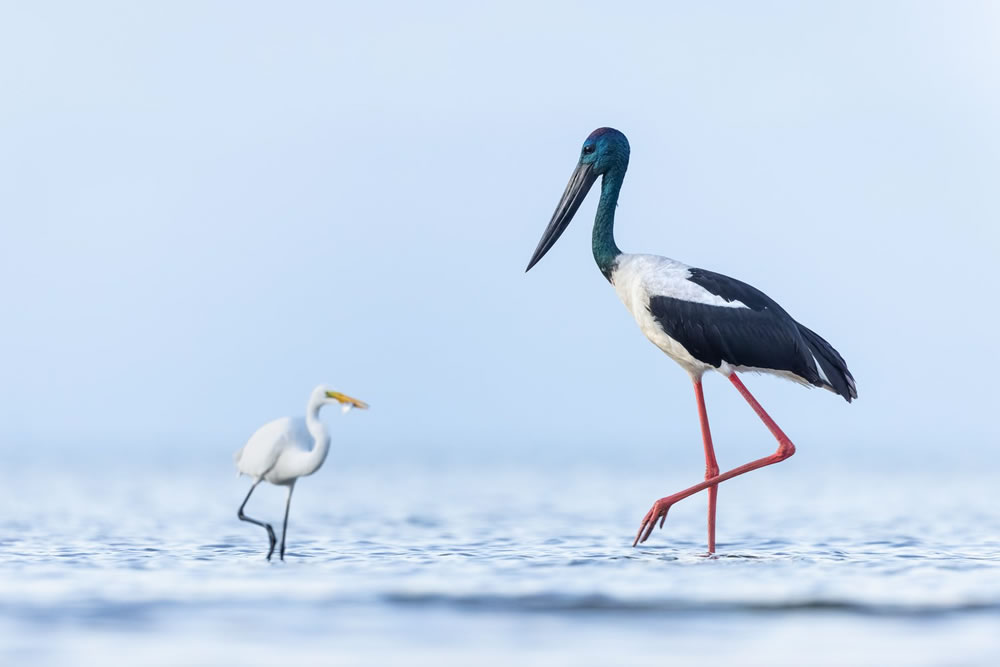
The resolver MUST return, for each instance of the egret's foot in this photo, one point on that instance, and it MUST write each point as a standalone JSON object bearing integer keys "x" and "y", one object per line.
{"x": 272, "y": 539}
{"x": 658, "y": 511}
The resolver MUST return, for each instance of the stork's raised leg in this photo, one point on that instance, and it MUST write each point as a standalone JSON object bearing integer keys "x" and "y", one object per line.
{"x": 266, "y": 526}
{"x": 785, "y": 449}
{"x": 711, "y": 465}
{"x": 284, "y": 525}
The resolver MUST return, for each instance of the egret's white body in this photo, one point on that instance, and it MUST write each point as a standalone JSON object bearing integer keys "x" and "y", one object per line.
{"x": 285, "y": 449}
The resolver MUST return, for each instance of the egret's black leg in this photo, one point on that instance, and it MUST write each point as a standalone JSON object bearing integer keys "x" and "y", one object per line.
{"x": 266, "y": 526}
{"x": 284, "y": 526}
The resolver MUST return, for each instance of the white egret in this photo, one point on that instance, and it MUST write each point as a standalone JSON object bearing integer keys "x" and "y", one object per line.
{"x": 285, "y": 449}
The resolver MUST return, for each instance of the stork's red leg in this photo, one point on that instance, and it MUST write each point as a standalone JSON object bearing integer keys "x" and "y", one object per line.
{"x": 785, "y": 449}
{"x": 711, "y": 465}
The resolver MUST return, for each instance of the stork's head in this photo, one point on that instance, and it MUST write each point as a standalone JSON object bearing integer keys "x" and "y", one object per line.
{"x": 605, "y": 150}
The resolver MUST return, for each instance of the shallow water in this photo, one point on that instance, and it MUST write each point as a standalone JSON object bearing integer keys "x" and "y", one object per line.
{"x": 485, "y": 565}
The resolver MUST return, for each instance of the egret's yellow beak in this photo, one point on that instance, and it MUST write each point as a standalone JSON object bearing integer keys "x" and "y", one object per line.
{"x": 344, "y": 399}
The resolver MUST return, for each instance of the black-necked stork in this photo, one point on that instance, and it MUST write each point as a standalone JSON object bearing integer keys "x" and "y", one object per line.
{"x": 700, "y": 319}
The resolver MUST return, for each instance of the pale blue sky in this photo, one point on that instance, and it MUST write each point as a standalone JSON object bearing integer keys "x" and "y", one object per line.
{"x": 207, "y": 208}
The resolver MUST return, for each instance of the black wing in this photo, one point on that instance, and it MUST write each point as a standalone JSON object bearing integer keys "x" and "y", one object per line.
{"x": 762, "y": 335}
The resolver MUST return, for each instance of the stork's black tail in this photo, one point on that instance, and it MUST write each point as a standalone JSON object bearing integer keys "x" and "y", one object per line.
{"x": 833, "y": 369}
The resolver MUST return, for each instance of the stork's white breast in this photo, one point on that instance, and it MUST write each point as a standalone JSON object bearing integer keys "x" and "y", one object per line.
{"x": 637, "y": 278}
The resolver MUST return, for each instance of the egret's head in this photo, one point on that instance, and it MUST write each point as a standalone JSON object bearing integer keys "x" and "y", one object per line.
{"x": 605, "y": 150}
{"x": 323, "y": 394}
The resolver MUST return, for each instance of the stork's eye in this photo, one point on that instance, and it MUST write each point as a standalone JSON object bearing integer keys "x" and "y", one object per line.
{"x": 587, "y": 150}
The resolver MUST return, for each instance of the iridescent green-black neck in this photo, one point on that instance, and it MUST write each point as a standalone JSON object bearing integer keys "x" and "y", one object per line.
{"x": 606, "y": 251}
{"x": 607, "y": 150}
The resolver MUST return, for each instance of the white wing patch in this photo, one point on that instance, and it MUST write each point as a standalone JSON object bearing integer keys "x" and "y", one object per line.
{"x": 660, "y": 276}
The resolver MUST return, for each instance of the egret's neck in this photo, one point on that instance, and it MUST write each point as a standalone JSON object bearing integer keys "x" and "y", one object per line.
{"x": 605, "y": 249}
{"x": 314, "y": 458}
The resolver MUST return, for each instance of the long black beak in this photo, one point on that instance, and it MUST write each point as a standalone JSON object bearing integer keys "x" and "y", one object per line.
{"x": 576, "y": 191}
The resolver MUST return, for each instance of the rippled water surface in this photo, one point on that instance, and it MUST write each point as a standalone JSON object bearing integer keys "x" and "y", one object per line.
{"x": 487, "y": 565}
